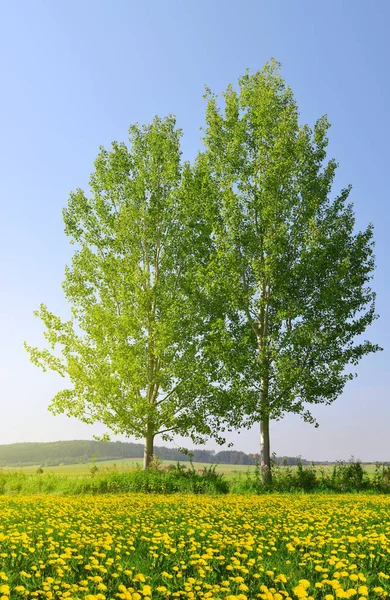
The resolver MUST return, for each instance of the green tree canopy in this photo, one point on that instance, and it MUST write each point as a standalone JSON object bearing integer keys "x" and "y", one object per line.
{"x": 290, "y": 271}
{"x": 214, "y": 295}
{"x": 132, "y": 349}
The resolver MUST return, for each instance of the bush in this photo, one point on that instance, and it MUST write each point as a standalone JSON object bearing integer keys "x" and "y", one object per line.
{"x": 345, "y": 477}
{"x": 114, "y": 481}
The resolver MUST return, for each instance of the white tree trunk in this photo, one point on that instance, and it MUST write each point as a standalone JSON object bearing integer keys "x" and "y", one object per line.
{"x": 265, "y": 456}
{"x": 148, "y": 447}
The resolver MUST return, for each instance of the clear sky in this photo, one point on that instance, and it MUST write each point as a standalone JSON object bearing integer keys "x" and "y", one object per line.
{"x": 74, "y": 75}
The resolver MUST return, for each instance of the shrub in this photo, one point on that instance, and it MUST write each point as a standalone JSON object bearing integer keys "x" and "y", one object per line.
{"x": 350, "y": 476}
{"x": 114, "y": 481}
{"x": 345, "y": 477}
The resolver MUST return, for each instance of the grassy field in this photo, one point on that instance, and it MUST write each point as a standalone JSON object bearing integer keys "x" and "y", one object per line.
{"x": 137, "y": 547}
{"x": 130, "y": 463}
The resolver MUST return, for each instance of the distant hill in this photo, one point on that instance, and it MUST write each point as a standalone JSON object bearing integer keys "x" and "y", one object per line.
{"x": 84, "y": 451}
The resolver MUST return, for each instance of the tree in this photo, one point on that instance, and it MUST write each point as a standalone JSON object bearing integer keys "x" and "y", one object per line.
{"x": 289, "y": 269}
{"x": 132, "y": 347}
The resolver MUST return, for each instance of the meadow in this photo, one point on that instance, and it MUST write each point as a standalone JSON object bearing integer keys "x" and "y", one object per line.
{"x": 195, "y": 478}
{"x": 125, "y": 465}
{"x": 139, "y": 547}
{"x": 131, "y": 463}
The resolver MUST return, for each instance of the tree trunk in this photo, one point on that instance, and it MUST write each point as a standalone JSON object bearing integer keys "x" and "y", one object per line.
{"x": 262, "y": 344}
{"x": 265, "y": 456}
{"x": 148, "y": 448}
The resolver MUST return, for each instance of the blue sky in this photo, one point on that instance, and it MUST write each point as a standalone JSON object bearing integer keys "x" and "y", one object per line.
{"x": 75, "y": 75}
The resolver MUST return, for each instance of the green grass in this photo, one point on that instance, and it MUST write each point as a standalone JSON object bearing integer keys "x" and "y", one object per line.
{"x": 82, "y": 468}
{"x": 126, "y": 464}
{"x": 169, "y": 477}
{"x": 129, "y": 463}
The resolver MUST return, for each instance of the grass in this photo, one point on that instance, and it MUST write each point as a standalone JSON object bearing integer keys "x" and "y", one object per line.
{"x": 112, "y": 480}
{"x": 130, "y": 463}
{"x": 175, "y": 478}
{"x": 81, "y": 468}
{"x": 127, "y": 464}
{"x": 138, "y": 547}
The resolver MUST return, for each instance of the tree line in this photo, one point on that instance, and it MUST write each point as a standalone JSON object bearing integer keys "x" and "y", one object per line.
{"x": 216, "y": 294}
{"x": 85, "y": 451}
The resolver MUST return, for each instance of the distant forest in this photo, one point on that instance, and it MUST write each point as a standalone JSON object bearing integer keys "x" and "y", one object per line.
{"x": 83, "y": 451}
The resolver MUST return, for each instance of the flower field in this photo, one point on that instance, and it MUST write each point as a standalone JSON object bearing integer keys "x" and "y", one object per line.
{"x": 138, "y": 547}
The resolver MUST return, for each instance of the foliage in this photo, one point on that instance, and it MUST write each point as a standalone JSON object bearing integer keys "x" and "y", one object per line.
{"x": 344, "y": 477}
{"x": 112, "y": 481}
{"x": 350, "y": 476}
{"x": 83, "y": 451}
{"x": 381, "y": 479}
{"x": 291, "y": 272}
{"x": 216, "y": 295}
{"x": 131, "y": 348}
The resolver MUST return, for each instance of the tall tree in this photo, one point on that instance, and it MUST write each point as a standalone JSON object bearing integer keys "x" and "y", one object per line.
{"x": 131, "y": 350}
{"x": 290, "y": 270}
